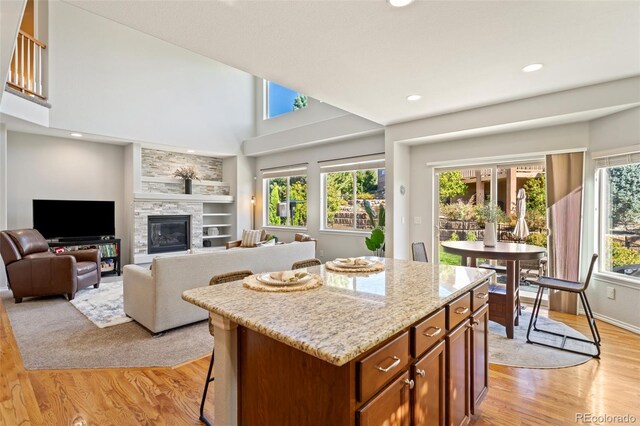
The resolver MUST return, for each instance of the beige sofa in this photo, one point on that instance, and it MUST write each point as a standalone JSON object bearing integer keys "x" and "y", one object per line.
{"x": 152, "y": 297}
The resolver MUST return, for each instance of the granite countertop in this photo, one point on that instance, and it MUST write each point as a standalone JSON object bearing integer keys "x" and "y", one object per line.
{"x": 349, "y": 314}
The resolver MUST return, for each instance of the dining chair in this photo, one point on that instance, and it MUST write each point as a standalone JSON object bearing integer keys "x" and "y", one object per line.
{"x": 217, "y": 279}
{"x": 571, "y": 287}
{"x": 419, "y": 252}
{"x": 307, "y": 263}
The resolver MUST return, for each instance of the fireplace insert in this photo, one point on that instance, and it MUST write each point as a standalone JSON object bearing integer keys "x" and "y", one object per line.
{"x": 168, "y": 233}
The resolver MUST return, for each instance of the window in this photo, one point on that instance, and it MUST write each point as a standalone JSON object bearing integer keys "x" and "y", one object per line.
{"x": 619, "y": 236}
{"x": 346, "y": 194}
{"x": 286, "y": 201}
{"x": 281, "y": 100}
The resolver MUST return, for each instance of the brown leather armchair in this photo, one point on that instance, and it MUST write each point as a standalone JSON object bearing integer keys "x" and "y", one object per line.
{"x": 32, "y": 270}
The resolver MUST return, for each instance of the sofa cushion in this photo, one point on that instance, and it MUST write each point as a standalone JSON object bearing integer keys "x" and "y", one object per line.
{"x": 250, "y": 238}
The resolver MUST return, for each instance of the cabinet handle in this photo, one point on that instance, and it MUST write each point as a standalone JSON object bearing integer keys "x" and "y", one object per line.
{"x": 419, "y": 372}
{"x": 393, "y": 365}
{"x": 473, "y": 324}
{"x": 434, "y": 333}
{"x": 482, "y": 295}
{"x": 411, "y": 383}
{"x": 462, "y": 310}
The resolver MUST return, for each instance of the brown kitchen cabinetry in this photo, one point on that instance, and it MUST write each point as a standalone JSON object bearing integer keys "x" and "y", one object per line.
{"x": 429, "y": 391}
{"x": 458, "y": 349}
{"x": 390, "y": 407}
{"x": 479, "y": 357}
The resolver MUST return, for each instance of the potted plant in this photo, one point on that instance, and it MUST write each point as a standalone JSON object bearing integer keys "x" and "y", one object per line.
{"x": 489, "y": 215}
{"x": 188, "y": 173}
{"x": 375, "y": 241}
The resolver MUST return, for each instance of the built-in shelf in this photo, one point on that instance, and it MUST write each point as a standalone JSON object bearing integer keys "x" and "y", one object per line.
{"x": 215, "y": 214}
{"x": 210, "y": 237}
{"x": 148, "y": 196}
{"x": 217, "y": 225}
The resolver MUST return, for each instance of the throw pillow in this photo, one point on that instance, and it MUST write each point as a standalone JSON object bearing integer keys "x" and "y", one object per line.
{"x": 250, "y": 238}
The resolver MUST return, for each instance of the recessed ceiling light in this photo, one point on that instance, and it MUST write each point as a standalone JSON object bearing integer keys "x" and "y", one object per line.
{"x": 414, "y": 98}
{"x": 190, "y": 151}
{"x": 400, "y": 3}
{"x": 76, "y": 135}
{"x": 532, "y": 67}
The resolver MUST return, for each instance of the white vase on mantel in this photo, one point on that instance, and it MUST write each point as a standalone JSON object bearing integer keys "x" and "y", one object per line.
{"x": 490, "y": 237}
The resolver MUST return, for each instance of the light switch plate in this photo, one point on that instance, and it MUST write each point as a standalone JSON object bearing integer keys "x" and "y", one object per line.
{"x": 611, "y": 293}
{"x": 417, "y": 220}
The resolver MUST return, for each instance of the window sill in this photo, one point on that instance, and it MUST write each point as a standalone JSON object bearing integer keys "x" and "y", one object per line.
{"x": 345, "y": 232}
{"x": 618, "y": 279}
{"x": 285, "y": 228}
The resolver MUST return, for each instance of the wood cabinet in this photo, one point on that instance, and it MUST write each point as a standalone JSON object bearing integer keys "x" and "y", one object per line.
{"x": 458, "y": 349}
{"x": 428, "y": 408}
{"x": 390, "y": 407}
{"x": 479, "y": 357}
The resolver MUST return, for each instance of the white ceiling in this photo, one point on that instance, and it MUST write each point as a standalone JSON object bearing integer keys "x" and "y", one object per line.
{"x": 366, "y": 56}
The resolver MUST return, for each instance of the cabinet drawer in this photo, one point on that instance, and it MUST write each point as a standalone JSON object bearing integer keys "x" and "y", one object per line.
{"x": 479, "y": 296}
{"x": 458, "y": 310}
{"x": 390, "y": 407}
{"x": 381, "y": 366}
{"x": 428, "y": 332}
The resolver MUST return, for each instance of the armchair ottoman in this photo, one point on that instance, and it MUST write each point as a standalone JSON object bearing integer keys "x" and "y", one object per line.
{"x": 32, "y": 270}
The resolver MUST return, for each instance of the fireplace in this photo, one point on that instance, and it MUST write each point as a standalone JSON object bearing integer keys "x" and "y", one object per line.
{"x": 168, "y": 233}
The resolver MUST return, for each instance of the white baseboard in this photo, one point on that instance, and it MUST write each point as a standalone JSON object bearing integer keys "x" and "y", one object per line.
{"x": 617, "y": 323}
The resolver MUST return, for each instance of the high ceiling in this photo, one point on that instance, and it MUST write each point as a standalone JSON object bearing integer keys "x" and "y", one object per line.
{"x": 366, "y": 57}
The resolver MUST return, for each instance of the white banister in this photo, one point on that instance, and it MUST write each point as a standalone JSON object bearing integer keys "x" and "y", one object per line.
{"x": 26, "y": 74}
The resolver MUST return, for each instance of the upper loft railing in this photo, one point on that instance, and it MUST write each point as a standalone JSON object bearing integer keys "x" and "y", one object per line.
{"x": 25, "y": 74}
{"x": 529, "y": 169}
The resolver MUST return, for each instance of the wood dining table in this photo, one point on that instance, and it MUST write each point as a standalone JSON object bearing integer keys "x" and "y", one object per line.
{"x": 512, "y": 253}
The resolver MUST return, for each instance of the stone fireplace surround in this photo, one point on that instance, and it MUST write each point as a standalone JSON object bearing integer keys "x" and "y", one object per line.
{"x": 144, "y": 209}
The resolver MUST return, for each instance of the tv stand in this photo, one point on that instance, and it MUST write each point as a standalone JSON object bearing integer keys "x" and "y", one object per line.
{"x": 109, "y": 250}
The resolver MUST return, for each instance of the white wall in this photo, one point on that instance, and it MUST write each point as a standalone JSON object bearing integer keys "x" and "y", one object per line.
{"x": 610, "y": 133}
{"x": 3, "y": 193}
{"x": 107, "y": 79}
{"x": 10, "y": 18}
{"x": 42, "y": 167}
{"x": 331, "y": 244}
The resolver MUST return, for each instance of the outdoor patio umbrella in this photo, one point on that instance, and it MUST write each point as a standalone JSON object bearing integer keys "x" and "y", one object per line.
{"x": 521, "y": 231}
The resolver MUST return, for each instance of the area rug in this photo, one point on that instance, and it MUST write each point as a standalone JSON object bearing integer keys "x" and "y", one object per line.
{"x": 52, "y": 334}
{"x": 104, "y": 306}
{"x": 517, "y": 352}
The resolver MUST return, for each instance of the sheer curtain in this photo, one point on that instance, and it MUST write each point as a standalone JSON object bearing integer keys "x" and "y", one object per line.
{"x": 565, "y": 174}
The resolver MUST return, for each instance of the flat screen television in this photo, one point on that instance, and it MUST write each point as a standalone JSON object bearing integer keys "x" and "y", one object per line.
{"x": 74, "y": 219}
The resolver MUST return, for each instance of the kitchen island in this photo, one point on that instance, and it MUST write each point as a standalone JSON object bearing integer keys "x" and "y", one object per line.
{"x": 407, "y": 342}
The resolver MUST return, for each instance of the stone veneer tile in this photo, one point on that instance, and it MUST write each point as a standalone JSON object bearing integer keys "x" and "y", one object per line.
{"x": 157, "y": 163}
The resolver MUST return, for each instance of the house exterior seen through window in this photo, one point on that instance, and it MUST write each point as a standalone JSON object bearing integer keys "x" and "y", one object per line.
{"x": 286, "y": 199}
{"x": 347, "y": 192}
{"x": 620, "y": 220}
{"x": 281, "y": 100}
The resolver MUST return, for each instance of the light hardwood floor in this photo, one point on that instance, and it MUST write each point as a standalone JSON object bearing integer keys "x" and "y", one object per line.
{"x": 170, "y": 396}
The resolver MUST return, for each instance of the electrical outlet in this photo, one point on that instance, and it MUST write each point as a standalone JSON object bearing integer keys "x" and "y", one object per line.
{"x": 611, "y": 293}
{"x": 417, "y": 220}
{"x": 321, "y": 252}
{"x": 402, "y": 220}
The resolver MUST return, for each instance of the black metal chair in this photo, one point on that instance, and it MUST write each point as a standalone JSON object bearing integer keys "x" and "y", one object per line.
{"x": 572, "y": 287}
{"x": 307, "y": 263}
{"x": 419, "y": 252}
{"x": 217, "y": 279}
